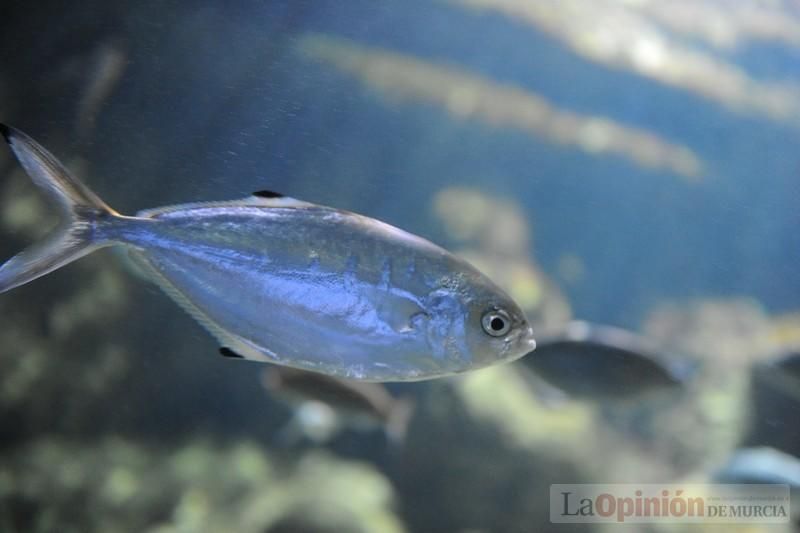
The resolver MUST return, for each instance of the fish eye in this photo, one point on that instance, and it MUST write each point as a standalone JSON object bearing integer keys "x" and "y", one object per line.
{"x": 496, "y": 323}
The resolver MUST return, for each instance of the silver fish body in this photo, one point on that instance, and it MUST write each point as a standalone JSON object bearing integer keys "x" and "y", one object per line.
{"x": 293, "y": 283}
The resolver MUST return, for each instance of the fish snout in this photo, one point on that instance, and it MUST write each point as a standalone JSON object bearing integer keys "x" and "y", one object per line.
{"x": 519, "y": 344}
{"x": 528, "y": 338}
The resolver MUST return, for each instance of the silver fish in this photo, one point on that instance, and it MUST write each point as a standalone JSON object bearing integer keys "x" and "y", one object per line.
{"x": 288, "y": 282}
{"x": 354, "y": 403}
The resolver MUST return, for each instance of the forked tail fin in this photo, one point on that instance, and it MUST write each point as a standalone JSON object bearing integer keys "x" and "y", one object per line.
{"x": 81, "y": 211}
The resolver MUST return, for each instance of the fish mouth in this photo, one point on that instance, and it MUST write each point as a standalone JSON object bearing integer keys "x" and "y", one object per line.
{"x": 531, "y": 341}
{"x": 519, "y": 345}
{"x": 531, "y": 344}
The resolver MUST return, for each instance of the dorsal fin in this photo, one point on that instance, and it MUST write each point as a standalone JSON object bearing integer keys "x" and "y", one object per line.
{"x": 227, "y": 352}
{"x": 276, "y": 199}
{"x": 257, "y": 199}
{"x": 268, "y": 194}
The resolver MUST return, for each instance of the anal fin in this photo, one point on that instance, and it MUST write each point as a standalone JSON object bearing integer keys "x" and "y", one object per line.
{"x": 234, "y": 345}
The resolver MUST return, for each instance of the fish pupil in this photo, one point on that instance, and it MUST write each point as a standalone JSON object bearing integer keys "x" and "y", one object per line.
{"x": 497, "y": 323}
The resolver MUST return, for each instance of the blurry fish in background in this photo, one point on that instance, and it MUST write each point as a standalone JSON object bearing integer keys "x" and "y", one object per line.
{"x": 325, "y": 405}
{"x": 760, "y": 465}
{"x": 595, "y": 362}
{"x": 615, "y": 34}
{"x": 360, "y": 298}
{"x": 83, "y": 67}
{"x": 106, "y": 66}
{"x": 470, "y": 96}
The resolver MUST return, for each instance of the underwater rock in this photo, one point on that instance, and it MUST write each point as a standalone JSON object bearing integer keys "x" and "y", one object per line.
{"x": 724, "y": 337}
{"x": 113, "y": 485}
{"x": 482, "y": 451}
{"x": 734, "y": 332}
{"x": 496, "y": 225}
{"x": 504, "y": 400}
{"x": 785, "y": 332}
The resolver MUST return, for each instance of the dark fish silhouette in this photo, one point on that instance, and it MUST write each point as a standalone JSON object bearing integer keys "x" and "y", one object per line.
{"x": 591, "y": 361}
{"x": 353, "y": 403}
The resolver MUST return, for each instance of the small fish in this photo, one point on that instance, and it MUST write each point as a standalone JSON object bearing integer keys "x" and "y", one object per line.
{"x": 108, "y": 63}
{"x": 354, "y": 403}
{"x": 283, "y": 281}
{"x": 760, "y": 465}
{"x": 590, "y": 361}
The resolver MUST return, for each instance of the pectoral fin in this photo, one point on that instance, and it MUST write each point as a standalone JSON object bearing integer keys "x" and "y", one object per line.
{"x": 402, "y": 314}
